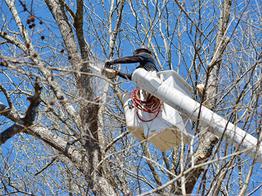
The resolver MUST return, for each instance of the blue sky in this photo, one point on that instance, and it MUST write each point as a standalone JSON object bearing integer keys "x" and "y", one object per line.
{"x": 127, "y": 45}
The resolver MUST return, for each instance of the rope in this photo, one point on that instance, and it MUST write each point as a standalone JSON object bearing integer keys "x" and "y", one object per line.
{"x": 150, "y": 105}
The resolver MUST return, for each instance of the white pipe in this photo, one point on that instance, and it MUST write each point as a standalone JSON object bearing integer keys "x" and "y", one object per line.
{"x": 173, "y": 97}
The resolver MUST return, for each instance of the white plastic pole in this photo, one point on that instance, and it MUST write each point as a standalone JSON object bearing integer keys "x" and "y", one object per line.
{"x": 173, "y": 97}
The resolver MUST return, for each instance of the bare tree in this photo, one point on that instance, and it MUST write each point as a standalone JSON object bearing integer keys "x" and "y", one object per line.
{"x": 62, "y": 123}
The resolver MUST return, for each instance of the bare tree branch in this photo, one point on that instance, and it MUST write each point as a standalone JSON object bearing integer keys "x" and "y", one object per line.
{"x": 80, "y": 121}
{"x": 209, "y": 140}
{"x": 22, "y": 123}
